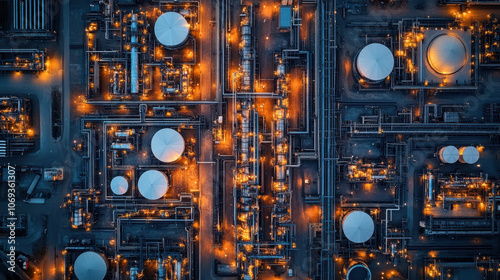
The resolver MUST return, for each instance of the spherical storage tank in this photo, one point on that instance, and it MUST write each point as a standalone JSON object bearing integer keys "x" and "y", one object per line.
{"x": 153, "y": 184}
{"x": 167, "y": 145}
{"x": 171, "y": 29}
{"x": 119, "y": 185}
{"x": 90, "y": 266}
{"x": 446, "y": 54}
{"x": 468, "y": 155}
{"x": 358, "y": 226}
{"x": 448, "y": 154}
{"x": 375, "y": 62}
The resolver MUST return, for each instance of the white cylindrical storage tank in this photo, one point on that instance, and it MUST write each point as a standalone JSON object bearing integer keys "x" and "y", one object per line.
{"x": 375, "y": 62}
{"x": 119, "y": 185}
{"x": 448, "y": 154}
{"x": 358, "y": 271}
{"x": 153, "y": 184}
{"x": 358, "y": 226}
{"x": 167, "y": 145}
{"x": 468, "y": 155}
{"x": 446, "y": 54}
{"x": 90, "y": 266}
{"x": 171, "y": 29}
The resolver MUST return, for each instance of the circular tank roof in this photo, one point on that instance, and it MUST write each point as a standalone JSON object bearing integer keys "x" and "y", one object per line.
{"x": 171, "y": 29}
{"x": 90, "y": 266}
{"x": 448, "y": 154}
{"x": 446, "y": 54}
{"x": 167, "y": 145}
{"x": 468, "y": 155}
{"x": 375, "y": 62}
{"x": 359, "y": 272}
{"x": 153, "y": 184}
{"x": 358, "y": 226}
{"x": 119, "y": 185}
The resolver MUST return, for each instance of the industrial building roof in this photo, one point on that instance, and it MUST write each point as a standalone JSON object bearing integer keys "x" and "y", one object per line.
{"x": 171, "y": 29}
{"x": 375, "y": 62}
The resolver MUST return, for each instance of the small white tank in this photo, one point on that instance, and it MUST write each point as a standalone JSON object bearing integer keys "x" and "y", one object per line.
{"x": 119, "y": 185}
{"x": 448, "y": 154}
{"x": 469, "y": 155}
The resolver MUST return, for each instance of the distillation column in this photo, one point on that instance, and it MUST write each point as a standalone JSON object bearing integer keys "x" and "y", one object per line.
{"x": 134, "y": 57}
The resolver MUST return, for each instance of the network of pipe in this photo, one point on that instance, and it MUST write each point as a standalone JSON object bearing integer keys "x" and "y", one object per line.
{"x": 252, "y": 252}
{"x": 126, "y": 61}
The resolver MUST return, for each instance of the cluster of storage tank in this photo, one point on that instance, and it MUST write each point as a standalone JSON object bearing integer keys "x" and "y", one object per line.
{"x": 167, "y": 145}
{"x": 450, "y": 154}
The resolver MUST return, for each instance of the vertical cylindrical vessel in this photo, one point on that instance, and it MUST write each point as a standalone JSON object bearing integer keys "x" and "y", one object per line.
{"x": 134, "y": 73}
